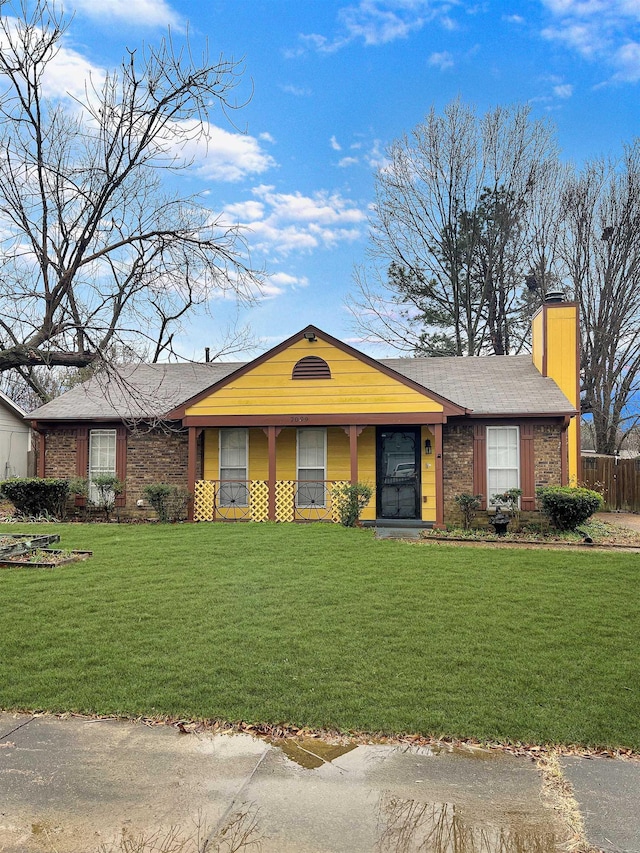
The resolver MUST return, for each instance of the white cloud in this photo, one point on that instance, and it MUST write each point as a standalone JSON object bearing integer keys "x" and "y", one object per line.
{"x": 627, "y": 61}
{"x": 377, "y": 22}
{"x": 348, "y": 161}
{"x": 376, "y": 158}
{"x": 564, "y": 90}
{"x": 513, "y": 19}
{"x": 335, "y": 144}
{"x": 281, "y": 223}
{"x": 221, "y": 155}
{"x": 599, "y": 30}
{"x": 150, "y": 13}
{"x": 266, "y": 137}
{"x": 442, "y": 60}
{"x": 246, "y": 211}
{"x": 297, "y": 91}
{"x": 283, "y": 279}
{"x": 67, "y": 73}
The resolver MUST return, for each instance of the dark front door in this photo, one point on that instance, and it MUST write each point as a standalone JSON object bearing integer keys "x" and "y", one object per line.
{"x": 398, "y": 472}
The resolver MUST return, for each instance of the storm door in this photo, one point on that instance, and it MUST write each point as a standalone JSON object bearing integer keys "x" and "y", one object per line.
{"x": 398, "y": 472}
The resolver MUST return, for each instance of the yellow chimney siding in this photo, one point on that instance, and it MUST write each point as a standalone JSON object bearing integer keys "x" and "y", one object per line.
{"x": 555, "y": 333}
{"x": 537, "y": 340}
{"x": 562, "y": 348}
{"x": 354, "y": 387}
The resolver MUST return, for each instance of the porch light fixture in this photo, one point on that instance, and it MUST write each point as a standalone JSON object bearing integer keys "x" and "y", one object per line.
{"x": 427, "y": 446}
{"x": 310, "y": 336}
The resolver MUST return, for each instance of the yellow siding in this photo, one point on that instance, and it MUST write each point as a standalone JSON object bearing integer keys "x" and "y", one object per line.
{"x": 211, "y": 467}
{"x": 428, "y": 465}
{"x": 367, "y": 468}
{"x": 537, "y": 335}
{"x": 268, "y": 389}
{"x": 562, "y": 367}
{"x": 562, "y": 349}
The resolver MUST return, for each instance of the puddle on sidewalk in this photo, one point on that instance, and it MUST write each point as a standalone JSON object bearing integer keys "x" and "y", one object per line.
{"x": 311, "y": 752}
{"x": 409, "y": 826}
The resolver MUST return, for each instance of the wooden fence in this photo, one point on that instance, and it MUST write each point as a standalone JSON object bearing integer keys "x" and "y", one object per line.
{"x": 618, "y": 480}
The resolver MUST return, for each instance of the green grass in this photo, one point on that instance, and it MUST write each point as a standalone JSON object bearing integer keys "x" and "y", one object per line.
{"x": 327, "y": 627}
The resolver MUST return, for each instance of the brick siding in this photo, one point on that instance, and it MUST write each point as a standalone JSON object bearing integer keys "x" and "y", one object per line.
{"x": 60, "y": 453}
{"x": 153, "y": 456}
{"x": 546, "y": 454}
{"x": 457, "y": 467}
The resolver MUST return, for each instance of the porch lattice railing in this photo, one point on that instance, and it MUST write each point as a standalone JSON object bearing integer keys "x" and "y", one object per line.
{"x": 248, "y": 500}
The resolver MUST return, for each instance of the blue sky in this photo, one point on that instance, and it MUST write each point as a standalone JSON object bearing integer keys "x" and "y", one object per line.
{"x": 332, "y": 83}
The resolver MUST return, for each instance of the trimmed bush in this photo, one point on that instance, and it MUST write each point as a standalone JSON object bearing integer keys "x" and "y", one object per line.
{"x": 567, "y": 507}
{"x": 170, "y": 502}
{"x": 349, "y": 500}
{"x": 37, "y": 496}
{"x": 469, "y": 505}
{"x": 108, "y": 487}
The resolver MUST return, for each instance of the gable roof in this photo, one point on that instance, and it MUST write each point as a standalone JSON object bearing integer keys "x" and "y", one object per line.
{"x": 491, "y": 385}
{"x": 9, "y": 405}
{"x": 449, "y": 406}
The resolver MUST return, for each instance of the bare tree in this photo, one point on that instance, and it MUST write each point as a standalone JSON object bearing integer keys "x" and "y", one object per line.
{"x": 602, "y": 256}
{"x": 451, "y": 230}
{"x": 94, "y": 252}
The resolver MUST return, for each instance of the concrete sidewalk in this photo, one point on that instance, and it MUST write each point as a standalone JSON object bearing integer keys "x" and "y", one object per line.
{"x": 75, "y": 785}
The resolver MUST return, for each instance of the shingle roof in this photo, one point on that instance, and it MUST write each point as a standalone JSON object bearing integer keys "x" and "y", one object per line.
{"x": 493, "y": 385}
{"x": 498, "y": 384}
{"x": 139, "y": 391}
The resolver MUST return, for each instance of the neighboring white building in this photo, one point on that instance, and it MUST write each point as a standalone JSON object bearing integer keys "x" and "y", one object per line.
{"x": 15, "y": 440}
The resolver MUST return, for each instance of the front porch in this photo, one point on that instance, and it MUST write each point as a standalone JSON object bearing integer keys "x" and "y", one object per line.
{"x": 251, "y": 473}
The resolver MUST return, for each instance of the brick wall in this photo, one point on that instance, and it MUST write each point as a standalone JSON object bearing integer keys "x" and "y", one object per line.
{"x": 155, "y": 457}
{"x": 457, "y": 466}
{"x": 546, "y": 453}
{"x": 60, "y": 454}
{"x": 152, "y": 457}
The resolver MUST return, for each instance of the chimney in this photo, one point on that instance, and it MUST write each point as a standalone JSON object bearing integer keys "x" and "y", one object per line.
{"x": 207, "y": 354}
{"x": 556, "y": 354}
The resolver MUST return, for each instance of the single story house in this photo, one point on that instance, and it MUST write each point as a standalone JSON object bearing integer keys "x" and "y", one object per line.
{"x": 266, "y": 439}
{"x": 15, "y": 440}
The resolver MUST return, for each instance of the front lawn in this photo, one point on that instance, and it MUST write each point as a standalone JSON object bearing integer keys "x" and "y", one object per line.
{"x": 326, "y": 627}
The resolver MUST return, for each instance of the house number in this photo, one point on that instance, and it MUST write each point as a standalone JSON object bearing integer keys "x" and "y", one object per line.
{"x": 299, "y": 419}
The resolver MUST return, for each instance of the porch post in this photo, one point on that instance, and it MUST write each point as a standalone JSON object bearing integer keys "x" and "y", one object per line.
{"x": 271, "y": 436}
{"x": 437, "y": 431}
{"x": 353, "y": 450}
{"x": 191, "y": 468}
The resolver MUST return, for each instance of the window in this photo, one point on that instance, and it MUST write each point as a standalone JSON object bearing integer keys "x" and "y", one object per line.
{"x": 503, "y": 460}
{"x": 233, "y": 468}
{"x": 312, "y": 463}
{"x": 102, "y": 457}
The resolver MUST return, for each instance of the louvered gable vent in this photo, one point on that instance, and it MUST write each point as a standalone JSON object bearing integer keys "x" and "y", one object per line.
{"x": 311, "y": 367}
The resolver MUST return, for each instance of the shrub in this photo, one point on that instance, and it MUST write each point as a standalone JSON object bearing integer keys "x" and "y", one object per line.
{"x": 108, "y": 487}
{"x": 170, "y": 502}
{"x": 469, "y": 506}
{"x": 36, "y": 496}
{"x": 350, "y": 499}
{"x": 79, "y": 486}
{"x": 568, "y": 506}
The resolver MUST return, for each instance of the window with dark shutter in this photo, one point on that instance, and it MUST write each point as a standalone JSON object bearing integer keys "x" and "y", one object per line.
{"x": 311, "y": 367}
